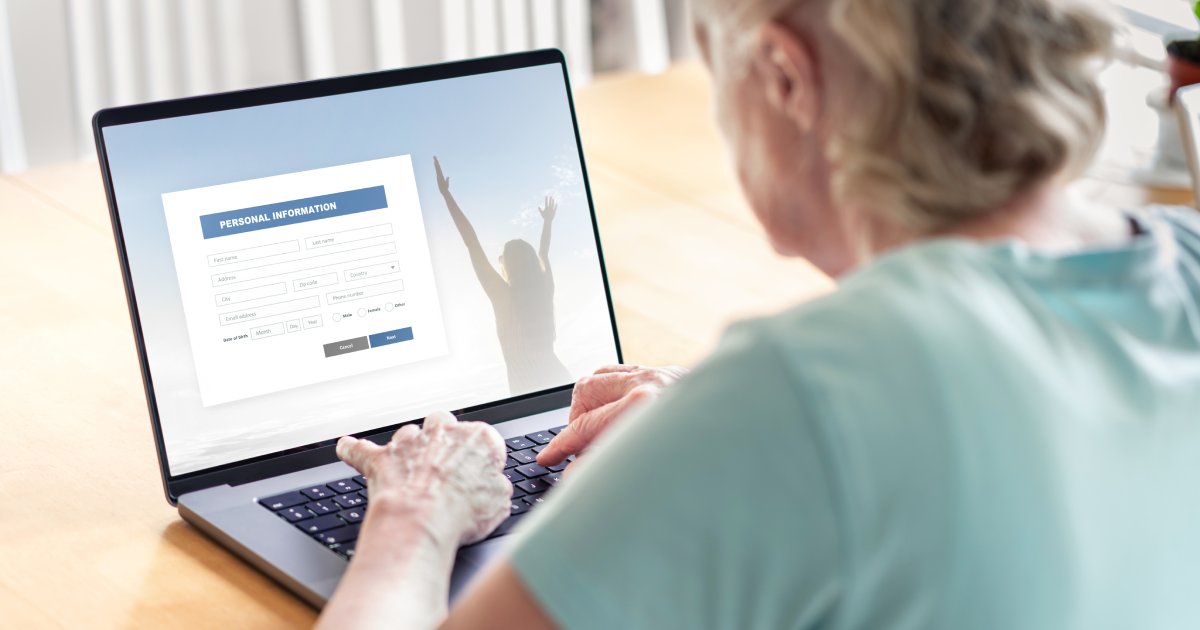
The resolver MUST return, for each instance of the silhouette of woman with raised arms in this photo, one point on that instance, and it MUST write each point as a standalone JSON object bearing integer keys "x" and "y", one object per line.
{"x": 522, "y": 296}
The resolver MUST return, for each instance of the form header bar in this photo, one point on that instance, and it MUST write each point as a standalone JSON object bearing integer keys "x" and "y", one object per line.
{"x": 295, "y": 211}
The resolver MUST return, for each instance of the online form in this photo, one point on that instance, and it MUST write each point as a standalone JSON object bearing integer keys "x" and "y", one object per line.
{"x": 305, "y": 277}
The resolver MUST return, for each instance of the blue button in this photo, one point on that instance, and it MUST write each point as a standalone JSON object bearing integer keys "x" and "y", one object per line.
{"x": 391, "y": 336}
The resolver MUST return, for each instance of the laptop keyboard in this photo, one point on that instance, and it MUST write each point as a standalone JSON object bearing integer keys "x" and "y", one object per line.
{"x": 332, "y": 512}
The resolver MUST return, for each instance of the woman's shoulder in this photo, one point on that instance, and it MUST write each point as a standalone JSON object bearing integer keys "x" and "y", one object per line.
{"x": 922, "y": 287}
{"x": 907, "y": 318}
{"x": 1183, "y": 221}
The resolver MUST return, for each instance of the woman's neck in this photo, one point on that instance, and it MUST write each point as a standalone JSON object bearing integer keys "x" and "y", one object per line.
{"x": 1050, "y": 218}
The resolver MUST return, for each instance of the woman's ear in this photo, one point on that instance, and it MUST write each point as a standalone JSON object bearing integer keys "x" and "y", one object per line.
{"x": 788, "y": 66}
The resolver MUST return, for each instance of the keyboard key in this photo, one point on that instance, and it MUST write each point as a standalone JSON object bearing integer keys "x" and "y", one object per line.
{"x": 363, "y": 493}
{"x": 344, "y": 486}
{"x": 320, "y": 524}
{"x": 553, "y": 478}
{"x": 353, "y": 515}
{"x": 531, "y": 470}
{"x": 539, "y": 448}
{"x": 511, "y": 463}
{"x": 295, "y": 513}
{"x": 513, "y": 475}
{"x": 534, "y": 499}
{"x": 526, "y": 456}
{"x": 519, "y": 505}
{"x": 346, "y": 550}
{"x": 517, "y": 492}
{"x": 317, "y": 492}
{"x": 559, "y": 467}
{"x": 557, "y": 430}
{"x": 519, "y": 443}
{"x": 349, "y": 500}
{"x": 285, "y": 500}
{"x": 339, "y": 535}
{"x": 541, "y": 437}
{"x": 507, "y": 525}
{"x": 533, "y": 486}
{"x": 360, "y": 480}
{"x": 322, "y": 507}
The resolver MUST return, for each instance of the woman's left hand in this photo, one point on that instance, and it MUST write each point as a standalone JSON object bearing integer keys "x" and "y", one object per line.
{"x": 448, "y": 475}
{"x": 548, "y": 209}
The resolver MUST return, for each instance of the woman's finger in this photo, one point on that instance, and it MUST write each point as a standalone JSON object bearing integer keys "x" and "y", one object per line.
{"x": 493, "y": 440}
{"x": 358, "y": 453}
{"x": 593, "y": 392}
{"x": 406, "y": 432}
{"x": 620, "y": 367}
{"x": 585, "y": 429}
{"x": 582, "y": 430}
{"x": 439, "y": 418}
{"x": 568, "y": 441}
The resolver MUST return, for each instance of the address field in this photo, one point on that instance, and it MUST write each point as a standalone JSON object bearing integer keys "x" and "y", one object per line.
{"x": 300, "y": 265}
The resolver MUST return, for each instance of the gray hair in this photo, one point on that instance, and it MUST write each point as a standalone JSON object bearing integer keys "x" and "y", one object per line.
{"x": 968, "y": 103}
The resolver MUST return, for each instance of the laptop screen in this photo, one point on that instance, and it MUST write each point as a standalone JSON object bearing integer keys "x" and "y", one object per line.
{"x": 303, "y": 270}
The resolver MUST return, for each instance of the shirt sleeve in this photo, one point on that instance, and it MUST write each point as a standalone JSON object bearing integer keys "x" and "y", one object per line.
{"x": 712, "y": 508}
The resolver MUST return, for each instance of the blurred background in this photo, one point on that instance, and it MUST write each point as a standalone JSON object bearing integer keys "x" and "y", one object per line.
{"x": 61, "y": 60}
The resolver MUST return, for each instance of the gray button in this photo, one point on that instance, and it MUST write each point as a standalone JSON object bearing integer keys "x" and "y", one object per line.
{"x": 343, "y": 347}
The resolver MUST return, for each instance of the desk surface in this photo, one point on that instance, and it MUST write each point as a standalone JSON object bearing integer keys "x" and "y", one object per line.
{"x": 86, "y": 538}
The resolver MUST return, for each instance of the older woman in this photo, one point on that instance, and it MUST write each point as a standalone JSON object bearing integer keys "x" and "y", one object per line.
{"x": 994, "y": 423}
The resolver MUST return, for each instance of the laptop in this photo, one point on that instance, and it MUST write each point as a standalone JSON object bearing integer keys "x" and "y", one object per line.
{"x": 343, "y": 257}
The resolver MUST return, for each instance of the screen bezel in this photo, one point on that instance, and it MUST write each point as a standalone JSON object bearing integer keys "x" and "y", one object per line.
{"x": 320, "y": 453}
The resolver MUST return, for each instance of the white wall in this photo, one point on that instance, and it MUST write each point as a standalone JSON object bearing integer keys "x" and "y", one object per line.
{"x": 61, "y": 60}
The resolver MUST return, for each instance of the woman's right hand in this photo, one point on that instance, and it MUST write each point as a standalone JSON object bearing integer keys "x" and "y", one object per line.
{"x": 600, "y": 400}
{"x": 442, "y": 181}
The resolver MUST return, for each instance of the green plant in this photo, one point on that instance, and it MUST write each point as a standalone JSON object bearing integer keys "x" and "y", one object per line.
{"x": 1187, "y": 49}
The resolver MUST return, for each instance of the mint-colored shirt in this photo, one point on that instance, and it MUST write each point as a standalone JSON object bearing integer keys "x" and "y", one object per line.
{"x": 964, "y": 435}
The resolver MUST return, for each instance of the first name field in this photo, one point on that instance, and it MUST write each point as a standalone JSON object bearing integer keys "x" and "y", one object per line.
{"x": 295, "y": 211}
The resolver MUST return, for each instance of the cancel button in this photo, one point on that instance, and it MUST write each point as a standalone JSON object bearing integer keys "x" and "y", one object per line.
{"x": 343, "y": 347}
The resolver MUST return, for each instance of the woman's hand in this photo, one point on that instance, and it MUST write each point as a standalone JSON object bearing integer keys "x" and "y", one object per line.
{"x": 600, "y": 399}
{"x": 548, "y": 209}
{"x": 443, "y": 181}
{"x": 448, "y": 474}
{"x": 431, "y": 490}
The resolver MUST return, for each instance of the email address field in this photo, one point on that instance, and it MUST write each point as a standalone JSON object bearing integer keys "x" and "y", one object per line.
{"x": 301, "y": 265}
{"x": 371, "y": 290}
{"x": 269, "y": 310}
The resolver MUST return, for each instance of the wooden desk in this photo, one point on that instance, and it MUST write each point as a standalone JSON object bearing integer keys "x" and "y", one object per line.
{"x": 86, "y": 538}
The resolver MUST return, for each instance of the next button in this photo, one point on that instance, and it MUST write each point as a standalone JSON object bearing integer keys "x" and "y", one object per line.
{"x": 391, "y": 336}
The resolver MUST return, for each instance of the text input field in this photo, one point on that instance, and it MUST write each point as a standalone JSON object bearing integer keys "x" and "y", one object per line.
{"x": 255, "y": 293}
{"x": 371, "y": 290}
{"x": 303, "y": 265}
{"x": 253, "y": 253}
{"x": 348, "y": 236}
{"x": 268, "y": 310}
